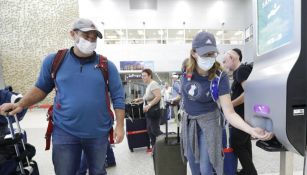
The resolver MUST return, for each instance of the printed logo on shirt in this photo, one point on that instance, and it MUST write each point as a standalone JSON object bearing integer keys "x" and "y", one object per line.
{"x": 193, "y": 90}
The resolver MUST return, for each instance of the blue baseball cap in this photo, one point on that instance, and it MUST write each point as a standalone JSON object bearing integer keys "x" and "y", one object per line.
{"x": 203, "y": 43}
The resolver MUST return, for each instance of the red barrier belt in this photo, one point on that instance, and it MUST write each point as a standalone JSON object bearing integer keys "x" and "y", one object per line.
{"x": 136, "y": 132}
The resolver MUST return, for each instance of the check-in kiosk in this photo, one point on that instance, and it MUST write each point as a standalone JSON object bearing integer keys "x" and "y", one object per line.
{"x": 275, "y": 92}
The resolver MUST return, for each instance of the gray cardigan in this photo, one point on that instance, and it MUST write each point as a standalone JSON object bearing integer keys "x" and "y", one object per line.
{"x": 210, "y": 124}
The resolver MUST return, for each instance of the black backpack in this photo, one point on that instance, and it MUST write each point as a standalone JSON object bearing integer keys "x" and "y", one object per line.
{"x": 249, "y": 65}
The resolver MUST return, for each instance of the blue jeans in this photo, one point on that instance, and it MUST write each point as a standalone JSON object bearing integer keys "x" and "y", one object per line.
{"x": 67, "y": 149}
{"x": 204, "y": 167}
{"x": 110, "y": 159}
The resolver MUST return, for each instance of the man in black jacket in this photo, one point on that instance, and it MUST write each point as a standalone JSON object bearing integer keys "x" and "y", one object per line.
{"x": 240, "y": 140}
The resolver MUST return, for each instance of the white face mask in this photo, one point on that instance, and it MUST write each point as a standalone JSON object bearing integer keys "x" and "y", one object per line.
{"x": 205, "y": 63}
{"x": 86, "y": 46}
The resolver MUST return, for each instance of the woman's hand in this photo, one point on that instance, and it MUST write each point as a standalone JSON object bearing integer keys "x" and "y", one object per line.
{"x": 261, "y": 134}
{"x": 146, "y": 108}
{"x": 136, "y": 100}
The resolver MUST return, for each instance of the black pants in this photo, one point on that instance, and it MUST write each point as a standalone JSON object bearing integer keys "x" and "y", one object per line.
{"x": 242, "y": 146}
{"x": 153, "y": 125}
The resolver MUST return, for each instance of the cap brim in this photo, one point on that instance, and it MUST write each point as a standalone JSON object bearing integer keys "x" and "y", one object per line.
{"x": 206, "y": 49}
{"x": 99, "y": 35}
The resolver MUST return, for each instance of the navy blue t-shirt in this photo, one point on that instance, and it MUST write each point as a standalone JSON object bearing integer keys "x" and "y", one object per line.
{"x": 196, "y": 93}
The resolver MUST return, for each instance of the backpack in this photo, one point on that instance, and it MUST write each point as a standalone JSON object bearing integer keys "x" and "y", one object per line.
{"x": 249, "y": 65}
{"x": 103, "y": 66}
{"x": 230, "y": 160}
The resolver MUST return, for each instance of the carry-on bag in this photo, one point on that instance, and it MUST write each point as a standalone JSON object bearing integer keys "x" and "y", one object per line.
{"x": 167, "y": 155}
{"x": 230, "y": 159}
{"x": 136, "y": 132}
{"x": 26, "y": 166}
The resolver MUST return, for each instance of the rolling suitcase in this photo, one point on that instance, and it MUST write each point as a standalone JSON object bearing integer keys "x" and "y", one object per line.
{"x": 137, "y": 133}
{"x": 26, "y": 165}
{"x": 136, "y": 127}
{"x": 167, "y": 155}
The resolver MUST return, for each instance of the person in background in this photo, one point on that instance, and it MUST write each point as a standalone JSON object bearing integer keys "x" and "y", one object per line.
{"x": 151, "y": 101}
{"x": 241, "y": 141}
{"x": 81, "y": 115}
{"x": 164, "y": 105}
{"x": 201, "y": 136}
{"x": 174, "y": 99}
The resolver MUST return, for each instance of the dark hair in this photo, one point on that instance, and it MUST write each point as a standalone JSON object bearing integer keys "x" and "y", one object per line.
{"x": 148, "y": 71}
{"x": 238, "y": 51}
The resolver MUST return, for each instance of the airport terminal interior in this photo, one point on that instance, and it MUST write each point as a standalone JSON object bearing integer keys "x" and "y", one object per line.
{"x": 158, "y": 34}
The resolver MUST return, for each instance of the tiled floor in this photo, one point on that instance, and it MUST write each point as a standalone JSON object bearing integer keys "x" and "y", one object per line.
{"x": 138, "y": 162}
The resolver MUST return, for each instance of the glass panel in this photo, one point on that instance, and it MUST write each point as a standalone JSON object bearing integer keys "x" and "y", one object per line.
{"x": 136, "y": 34}
{"x": 190, "y": 34}
{"x": 155, "y": 36}
{"x": 114, "y": 34}
{"x": 175, "y": 36}
{"x": 113, "y": 42}
{"x": 218, "y": 34}
{"x": 170, "y": 36}
{"x": 135, "y": 41}
{"x": 233, "y": 37}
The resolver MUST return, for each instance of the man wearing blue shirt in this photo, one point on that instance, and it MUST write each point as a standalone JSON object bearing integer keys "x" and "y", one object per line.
{"x": 81, "y": 117}
{"x": 175, "y": 96}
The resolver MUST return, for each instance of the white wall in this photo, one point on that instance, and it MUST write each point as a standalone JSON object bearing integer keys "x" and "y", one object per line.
{"x": 169, "y": 14}
{"x": 249, "y": 46}
{"x": 166, "y": 57}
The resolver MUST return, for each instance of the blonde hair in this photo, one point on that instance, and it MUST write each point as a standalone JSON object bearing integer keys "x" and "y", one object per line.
{"x": 190, "y": 66}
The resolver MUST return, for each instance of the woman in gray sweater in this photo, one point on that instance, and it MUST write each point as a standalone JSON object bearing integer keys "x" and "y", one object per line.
{"x": 201, "y": 127}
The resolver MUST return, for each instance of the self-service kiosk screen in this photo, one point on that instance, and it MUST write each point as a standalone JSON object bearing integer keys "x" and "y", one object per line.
{"x": 275, "y": 24}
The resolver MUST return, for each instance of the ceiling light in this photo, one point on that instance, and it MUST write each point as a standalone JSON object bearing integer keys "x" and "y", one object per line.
{"x": 220, "y": 32}
{"x": 239, "y": 33}
{"x": 140, "y": 32}
{"x": 119, "y": 32}
{"x": 112, "y": 37}
{"x": 180, "y": 32}
{"x": 160, "y": 32}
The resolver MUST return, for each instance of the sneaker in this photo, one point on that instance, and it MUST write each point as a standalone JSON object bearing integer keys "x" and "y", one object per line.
{"x": 149, "y": 150}
{"x": 108, "y": 165}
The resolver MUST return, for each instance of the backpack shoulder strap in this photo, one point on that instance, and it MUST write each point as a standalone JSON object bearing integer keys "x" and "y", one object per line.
{"x": 59, "y": 57}
{"x": 103, "y": 66}
{"x": 214, "y": 85}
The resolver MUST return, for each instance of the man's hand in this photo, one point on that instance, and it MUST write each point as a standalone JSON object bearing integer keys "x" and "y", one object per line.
{"x": 14, "y": 108}
{"x": 119, "y": 134}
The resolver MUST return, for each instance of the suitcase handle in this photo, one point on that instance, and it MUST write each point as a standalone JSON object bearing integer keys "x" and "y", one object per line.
{"x": 166, "y": 129}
